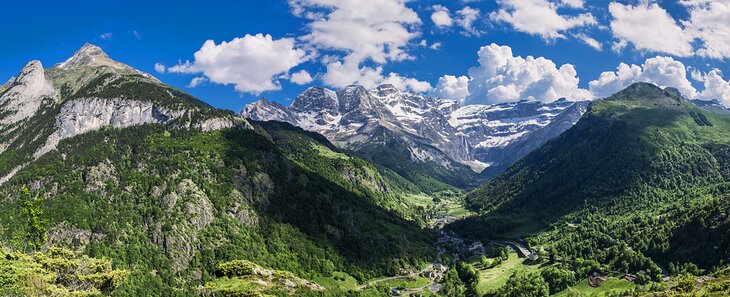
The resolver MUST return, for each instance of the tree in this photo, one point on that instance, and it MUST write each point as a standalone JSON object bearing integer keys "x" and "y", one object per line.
{"x": 558, "y": 279}
{"x": 524, "y": 284}
{"x": 35, "y": 225}
{"x": 484, "y": 261}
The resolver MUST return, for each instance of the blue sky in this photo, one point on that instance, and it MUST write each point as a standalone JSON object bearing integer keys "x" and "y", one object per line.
{"x": 267, "y": 42}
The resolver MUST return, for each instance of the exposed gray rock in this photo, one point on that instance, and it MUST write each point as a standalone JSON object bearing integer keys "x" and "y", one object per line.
{"x": 429, "y": 129}
{"x": 66, "y": 235}
{"x": 97, "y": 177}
{"x": 197, "y": 212}
{"x": 7, "y": 84}
{"x": 90, "y": 55}
{"x": 23, "y": 99}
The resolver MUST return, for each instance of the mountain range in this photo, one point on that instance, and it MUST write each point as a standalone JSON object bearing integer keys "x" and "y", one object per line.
{"x": 115, "y": 183}
{"x": 442, "y": 133}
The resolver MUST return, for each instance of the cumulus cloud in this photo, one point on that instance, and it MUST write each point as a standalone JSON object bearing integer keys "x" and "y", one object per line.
{"x": 301, "y": 77}
{"x": 160, "y": 68}
{"x": 441, "y": 17}
{"x": 406, "y": 83}
{"x": 660, "y": 70}
{"x": 378, "y": 30}
{"x": 710, "y": 22}
{"x": 348, "y": 73}
{"x": 541, "y": 17}
{"x": 503, "y": 77}
{"x": 715, "y": 86}
{"x": 451, "y": 87}
{"x": 649, "y": 27}
{"x": 466, "y": 18}
{"x": 251, "y": 63}
{"x": 375, "y": 31}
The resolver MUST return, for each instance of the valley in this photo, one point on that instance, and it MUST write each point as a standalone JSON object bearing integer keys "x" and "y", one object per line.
{"x": 355, "y": 192}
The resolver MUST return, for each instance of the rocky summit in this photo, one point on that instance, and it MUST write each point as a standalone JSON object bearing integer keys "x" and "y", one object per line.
{"x": 442, "y": 131}
{"x": 87, "y": 92}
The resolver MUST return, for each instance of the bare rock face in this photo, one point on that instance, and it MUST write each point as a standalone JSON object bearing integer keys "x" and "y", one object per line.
{"x": 97, "y": 177}
{"x": 66, "y": 235}
{"x": 83, "y": 115}
{"x": 80, "y": 116}
{"x": 90, "y": 55}
{"x": 41, "y": 106}
{"x": 25, "y": 95}
{"x": 7, "y": 84}
{"x": 191, "y": 213}
{"x": 442, "y": 131}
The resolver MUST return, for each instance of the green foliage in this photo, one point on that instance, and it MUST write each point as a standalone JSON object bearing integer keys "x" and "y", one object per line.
{"x": 236, "y": 268}
{"x": 169, "y": 204}
{"x": 390, "y": 151}
{"x": 635, "y": 184}
{"x": 525, "y": 285}
{"x": 57, "y": 272}
{"x": 469, "y": 276}
{"x": 558, "y": 279}
{"x": 452, "y": 285}
{"x": 35, "y": 225}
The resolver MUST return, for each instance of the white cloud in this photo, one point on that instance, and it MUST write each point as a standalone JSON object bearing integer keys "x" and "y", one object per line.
{"x": 106, "y": 36}
{"x": 441, "y": 17}
{"x": 710, "y": 22}
{"x": 160, "y": 68}
{"x": 590, "y": 41}
{"x": 436, "y": 45}
{"x": 301, "y": 77}
{"x": 340, "y": 75}
{"x": 378, "y": 30}
{"x": 251, "y": 63}
{"x": 540, "y": 17}
{"x": 619, "y": 46}
{"x": 502, "y": 77}
{"x": 715, "y": 86}
{"x": 662, "y": 71}
{"x": 649, "y": 27}
{"x": 466, "y": 18}
{"x": 573, "y": 3}
{"x": 406, "y": 83}
{"x": 451, "y": 87}
{"x": 197, "y": 81}
{"x": 373, "y": 31}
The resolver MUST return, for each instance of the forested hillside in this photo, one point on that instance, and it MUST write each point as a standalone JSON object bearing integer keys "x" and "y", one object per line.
{"x": 639, "y": 184}
{"x": 168, "y": 205}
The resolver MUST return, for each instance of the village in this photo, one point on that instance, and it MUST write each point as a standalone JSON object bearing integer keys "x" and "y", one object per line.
{"x": 455, "y": 248}
{"x": 451, "y": 243}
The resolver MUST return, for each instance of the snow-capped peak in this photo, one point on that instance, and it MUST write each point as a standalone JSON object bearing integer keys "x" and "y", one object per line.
{"x": 385, "y": 90}
{"x": 316, "y": 99}
{"x": 468, "y": 134}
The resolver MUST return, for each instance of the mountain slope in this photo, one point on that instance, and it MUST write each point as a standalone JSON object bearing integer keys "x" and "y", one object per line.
{"x": 127, "y": 168}
{"x": 431, "y": 141}
{"x": 84, "y": 93}
{"x": 640, "y": 170}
